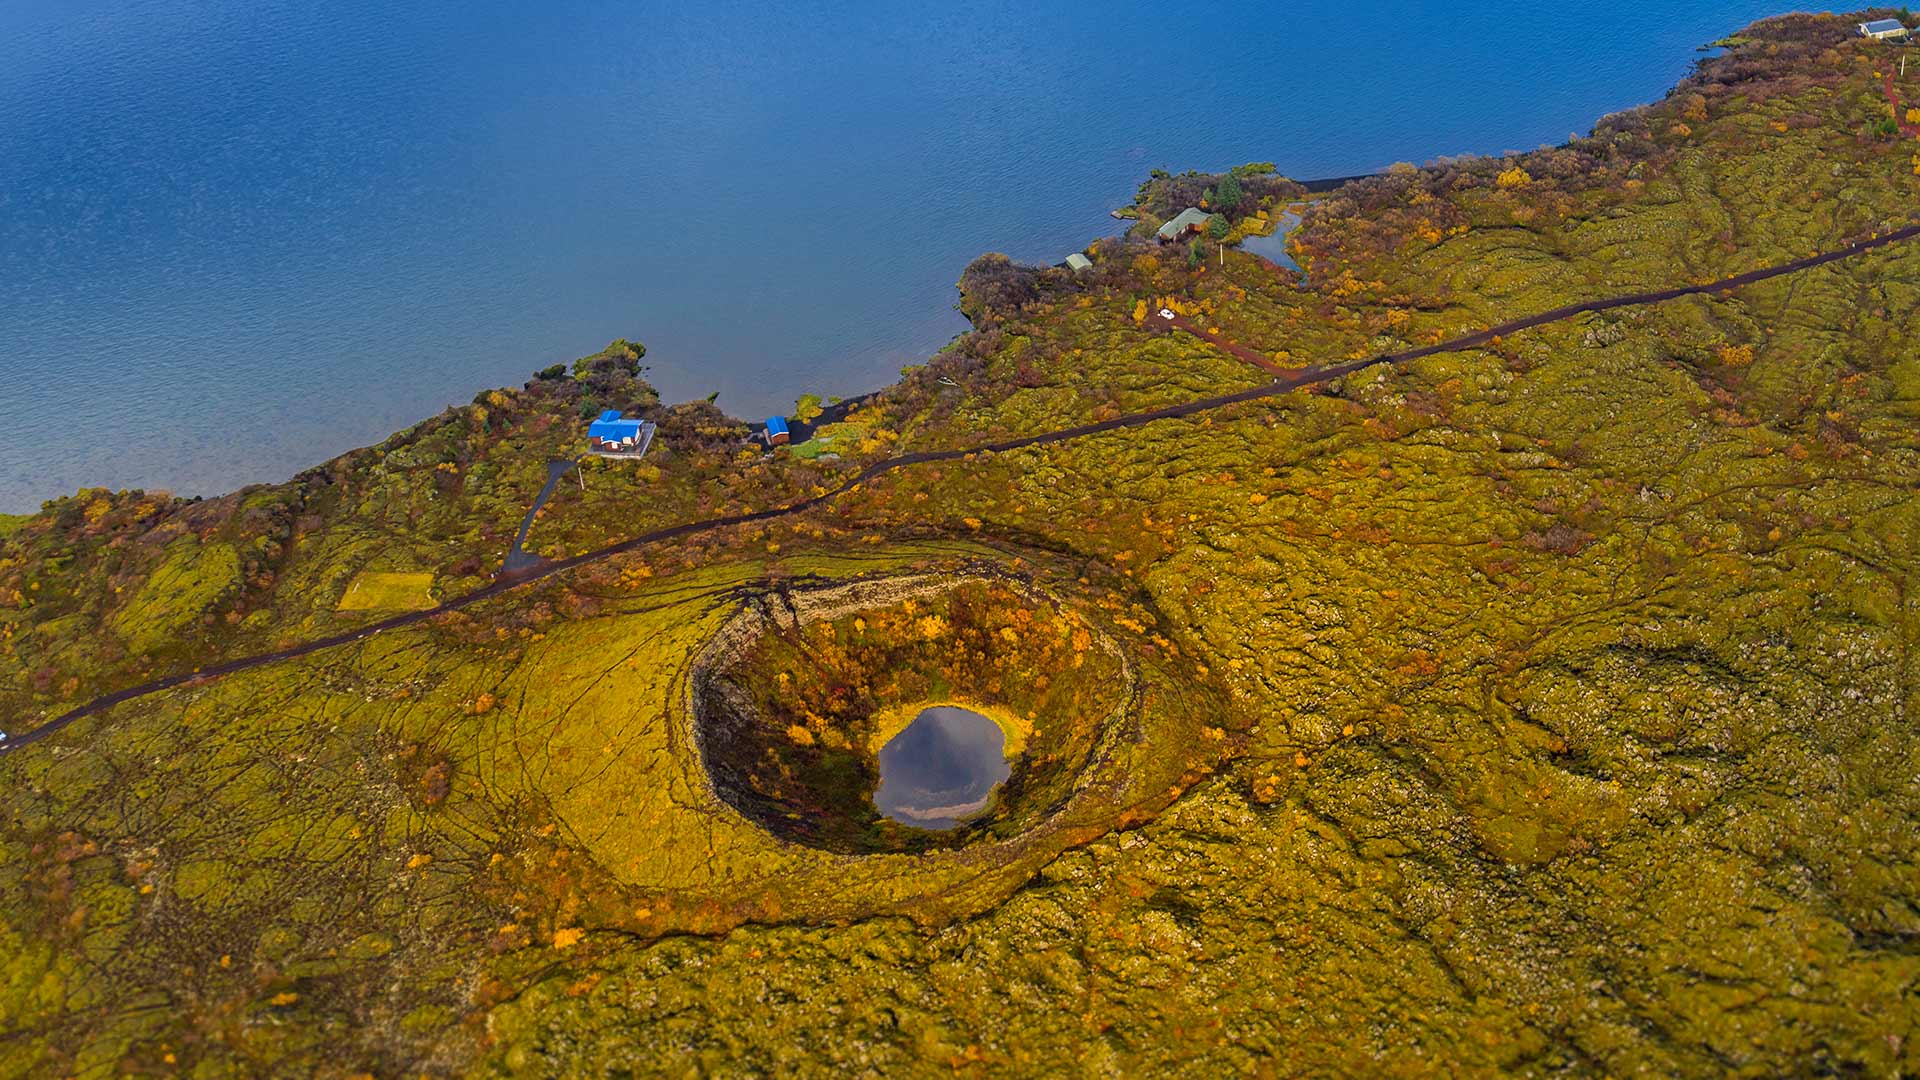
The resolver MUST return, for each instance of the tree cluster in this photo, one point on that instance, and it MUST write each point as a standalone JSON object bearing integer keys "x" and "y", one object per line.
{"x": 1235, "y": 193}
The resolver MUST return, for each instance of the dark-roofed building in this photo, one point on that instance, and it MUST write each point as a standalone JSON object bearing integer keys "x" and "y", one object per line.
{"x": 1885, "y": 30}
{"x": 1192, "y": 219}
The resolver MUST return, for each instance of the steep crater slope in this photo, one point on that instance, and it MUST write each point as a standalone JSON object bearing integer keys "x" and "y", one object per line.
{"x": 800, "y": 690}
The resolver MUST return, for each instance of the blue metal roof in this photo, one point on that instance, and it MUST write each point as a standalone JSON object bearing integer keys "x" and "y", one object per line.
{"x": 776, "y": 425}
{"x": 1881, "y": 26}
{"x": 612, "y": 427}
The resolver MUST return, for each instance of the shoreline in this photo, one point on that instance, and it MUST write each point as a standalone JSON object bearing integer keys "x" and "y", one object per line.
{"x": 801, "y": 431}
{"x": 1281, "y": 384}
{"x": 202, "y": 461}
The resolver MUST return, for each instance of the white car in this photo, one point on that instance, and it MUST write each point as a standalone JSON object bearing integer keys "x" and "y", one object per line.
{"x": 1166, "y": 313}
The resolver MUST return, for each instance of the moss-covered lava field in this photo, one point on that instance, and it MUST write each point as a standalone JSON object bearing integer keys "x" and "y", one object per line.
{"x": 1542, "y": 708}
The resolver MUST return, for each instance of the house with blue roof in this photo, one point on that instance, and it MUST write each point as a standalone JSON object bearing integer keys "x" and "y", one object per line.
{"x": 614, "y": 435}
{"x": 1885, "y": 30}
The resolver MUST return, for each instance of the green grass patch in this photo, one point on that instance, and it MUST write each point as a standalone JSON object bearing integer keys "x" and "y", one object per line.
{"x": 840, "y": 438}
{"x": 373, "y": 591}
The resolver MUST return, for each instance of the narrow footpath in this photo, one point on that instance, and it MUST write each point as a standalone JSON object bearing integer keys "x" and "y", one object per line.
{"x": 519, "y": 560}
{"x": 1234, "y": 349}
{"x": 1899, "y": 108}
{"x": 1283, "y": 382}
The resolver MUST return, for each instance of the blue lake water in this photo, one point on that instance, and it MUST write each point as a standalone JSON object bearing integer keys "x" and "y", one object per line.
{"x": 239, "y": 237}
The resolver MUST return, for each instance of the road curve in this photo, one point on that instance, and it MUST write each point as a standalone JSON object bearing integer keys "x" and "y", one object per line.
{"x": 1283, "y": 383}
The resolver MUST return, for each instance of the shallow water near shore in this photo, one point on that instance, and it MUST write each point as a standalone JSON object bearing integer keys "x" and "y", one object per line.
{"x": 1273, "y": 246}
{"x": 941, "y": 769}
{"x": 236, "y": 239}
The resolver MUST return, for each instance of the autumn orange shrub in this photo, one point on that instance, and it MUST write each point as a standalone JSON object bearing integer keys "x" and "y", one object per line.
{"x": 789, "y": 725}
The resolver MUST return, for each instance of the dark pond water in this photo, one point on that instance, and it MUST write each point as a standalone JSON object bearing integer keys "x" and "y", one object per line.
{"x": 941, "y": 769}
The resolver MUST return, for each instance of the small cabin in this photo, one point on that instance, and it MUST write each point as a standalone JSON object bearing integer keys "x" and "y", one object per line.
{"x": 1077, "y": 262}
{"x": 613, "y": 435}
{"x": 1885, "y": 30}
{"x": 777, "y": 434}
{"x": 1191, "y": 220}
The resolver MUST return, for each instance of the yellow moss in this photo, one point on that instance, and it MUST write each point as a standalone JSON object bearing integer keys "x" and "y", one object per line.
{"x": 188, "y": 583}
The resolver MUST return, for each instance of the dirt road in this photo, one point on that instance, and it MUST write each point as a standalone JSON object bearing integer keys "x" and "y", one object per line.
{"x": 1285, "y": 381}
